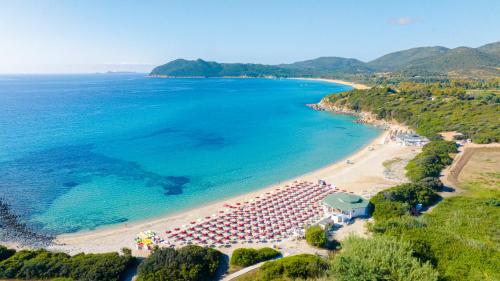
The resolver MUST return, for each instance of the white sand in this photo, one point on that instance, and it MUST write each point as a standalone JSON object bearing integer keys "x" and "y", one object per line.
{"x": 366, "y": 174}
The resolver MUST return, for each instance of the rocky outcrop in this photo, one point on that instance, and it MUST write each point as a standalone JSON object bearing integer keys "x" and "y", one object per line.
{"x": 361, "y": 116}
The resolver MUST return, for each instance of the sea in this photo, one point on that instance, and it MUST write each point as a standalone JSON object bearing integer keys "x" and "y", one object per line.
{"x": 79, "y": 152}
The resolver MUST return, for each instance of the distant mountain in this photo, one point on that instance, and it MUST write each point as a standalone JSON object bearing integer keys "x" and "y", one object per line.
{"x": 317, "y": 67}
{"x": 201, "y": 68}
{"x": 423, "y": 61}
{"x": 461, "y": 60}
{"x": 492, "y": 48}
{"x": 401, "y": 59}
{"x": 328, "y": 66}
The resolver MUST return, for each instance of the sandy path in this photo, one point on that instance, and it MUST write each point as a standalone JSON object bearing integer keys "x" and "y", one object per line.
{"x": 366, "y": 174}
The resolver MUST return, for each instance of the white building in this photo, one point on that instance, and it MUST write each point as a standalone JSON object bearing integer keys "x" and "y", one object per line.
{"x": 346, "y": 204}
{"x": 407, "y": 139}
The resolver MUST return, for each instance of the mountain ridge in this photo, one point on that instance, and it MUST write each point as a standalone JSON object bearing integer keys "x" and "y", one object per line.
{"x": 460, "y": 61}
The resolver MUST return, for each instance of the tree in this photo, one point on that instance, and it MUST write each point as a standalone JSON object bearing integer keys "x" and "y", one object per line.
{"x": 188, "y": 263}
{"x": 316, "y": 236}
{"x": 6, "y": 253}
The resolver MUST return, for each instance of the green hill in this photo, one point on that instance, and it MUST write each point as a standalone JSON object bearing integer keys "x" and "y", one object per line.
{"x": 399, "y": 60}
{"x": 325, "y": 66}
{"x": 491, "y": 48}
{"x": 201, "y": 68}
{"x": 461, "y": 61}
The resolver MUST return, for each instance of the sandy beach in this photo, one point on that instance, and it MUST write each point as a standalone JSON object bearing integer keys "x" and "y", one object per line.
{"x": 352, "y": 84}
{"x": 365, "y": 174}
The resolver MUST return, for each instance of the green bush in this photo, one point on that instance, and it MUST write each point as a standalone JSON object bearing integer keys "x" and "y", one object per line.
{"x": 316, "y": 236}
{"x": 379, "y": 258}
{"x": 188, "y": 263}
{"x": 428, "y": 164}
{"x": 432, "y": 183}
{"x": 398, "y": 201}
{"x": 246, "y": 257}
{"x": 384, "y": 209}
{"x": 42, "y": 264}
{"x": 6, "y": 253}
{"x": 302, "y": 266}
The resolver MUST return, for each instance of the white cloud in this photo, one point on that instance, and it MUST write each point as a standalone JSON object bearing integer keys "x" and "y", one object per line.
{"x": 402, "y": 21}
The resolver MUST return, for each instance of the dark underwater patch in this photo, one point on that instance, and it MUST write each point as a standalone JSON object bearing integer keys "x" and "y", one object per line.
{"x": 210, "y": 141}
{"x": 70, "y": 184}
{"x": 164, "y": 131}
{"x": 198, "y": 138}
{"x": 31, "y": 183}
{"x": 174, "y": 185}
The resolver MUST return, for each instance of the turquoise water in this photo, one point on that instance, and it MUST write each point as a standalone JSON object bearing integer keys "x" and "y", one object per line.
{"x": 82, "y": 151}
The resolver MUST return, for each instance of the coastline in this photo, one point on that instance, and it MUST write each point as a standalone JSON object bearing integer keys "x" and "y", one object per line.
{"x": 352, "y": 84}
{"x": 365, "y": 175}
{"x": 336, "y": 81}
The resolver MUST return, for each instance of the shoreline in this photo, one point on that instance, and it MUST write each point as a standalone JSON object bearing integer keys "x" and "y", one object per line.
{"x": 365, "y": 175}
{"x": 114, "y": 237}
{"x": 336, "y": 81}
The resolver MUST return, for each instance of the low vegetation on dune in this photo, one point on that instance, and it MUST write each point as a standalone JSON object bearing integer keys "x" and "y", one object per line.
{"x": 379, "y": 258}
{"x": 424, "y": 171}
{"x": 297, "y": 267}
{"x": 460, "y": 236}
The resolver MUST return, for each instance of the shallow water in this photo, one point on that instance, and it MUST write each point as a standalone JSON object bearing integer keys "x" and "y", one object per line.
{"x": 81, "y": 151}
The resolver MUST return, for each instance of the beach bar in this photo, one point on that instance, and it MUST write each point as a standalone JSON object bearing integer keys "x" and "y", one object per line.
{"x": 347, "y": 204}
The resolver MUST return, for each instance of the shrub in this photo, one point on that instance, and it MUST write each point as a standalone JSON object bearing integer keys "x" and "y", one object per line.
{"x": 379, "y": 258}
{"x": 384, "y": 209}
{"x": 42, "y": 264}
{"x": 188, "y": 263}
{"x": 246, "y": 257}
{"x": 302, "y": 266}
{"x": 429, "y": 163}
{"x": 316, "y": 236}
{"x": 6, "y": 253}
{"x": 432, "y": 183}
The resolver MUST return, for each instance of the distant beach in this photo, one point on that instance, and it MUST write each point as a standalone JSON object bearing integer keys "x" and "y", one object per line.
{"x": 352, "y": 84}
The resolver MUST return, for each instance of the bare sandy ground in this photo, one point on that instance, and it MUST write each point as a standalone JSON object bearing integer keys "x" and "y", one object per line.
{"x": 365, "y": 174}
{"x": 450, "y": 175}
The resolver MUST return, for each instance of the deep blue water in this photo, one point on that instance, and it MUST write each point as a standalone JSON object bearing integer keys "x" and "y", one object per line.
{"x": 82, "y": 151}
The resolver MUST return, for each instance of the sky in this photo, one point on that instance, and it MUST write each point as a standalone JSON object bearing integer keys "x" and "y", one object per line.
{"x": 44, "y": 36}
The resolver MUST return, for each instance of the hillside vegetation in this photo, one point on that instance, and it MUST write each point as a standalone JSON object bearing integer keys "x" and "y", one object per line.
{"x": 430, "y": 108}
{"x": 431, "y": 62}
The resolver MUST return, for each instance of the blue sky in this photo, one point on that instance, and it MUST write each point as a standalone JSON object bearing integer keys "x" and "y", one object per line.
{"x": 87, "y": 36}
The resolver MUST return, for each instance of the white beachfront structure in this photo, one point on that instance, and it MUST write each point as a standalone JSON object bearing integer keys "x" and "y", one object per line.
{"x": 341, "y": 206}
{"x": 409, "y": 139}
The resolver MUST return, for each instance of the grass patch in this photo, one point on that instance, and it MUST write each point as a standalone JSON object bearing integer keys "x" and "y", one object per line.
{"x": 388, "y": 163}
